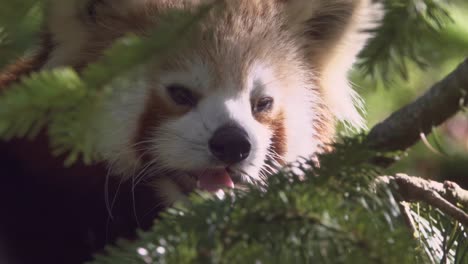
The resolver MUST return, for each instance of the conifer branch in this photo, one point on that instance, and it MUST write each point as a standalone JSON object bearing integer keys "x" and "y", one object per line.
{"x": 405, "y": 126}
{"x": 412, "y": 25}
{"x": 443, "y": 196}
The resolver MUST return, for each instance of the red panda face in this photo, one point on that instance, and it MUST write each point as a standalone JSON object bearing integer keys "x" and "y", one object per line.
{"x": 257, "y": 85}
{"x": 217, "y": 120}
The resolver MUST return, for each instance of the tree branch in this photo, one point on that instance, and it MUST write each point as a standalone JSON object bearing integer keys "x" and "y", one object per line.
{"x": 404, "y": 127}
{"x": 442, "y": 196}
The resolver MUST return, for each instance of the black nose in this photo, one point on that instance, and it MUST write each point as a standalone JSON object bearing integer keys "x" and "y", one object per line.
{"x": 230, "y": 144}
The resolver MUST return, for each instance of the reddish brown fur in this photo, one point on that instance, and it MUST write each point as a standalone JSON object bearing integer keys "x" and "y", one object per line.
{"x": 325, "y": 127}
{"x": 278, "y": 140}
{"x": 156, "y": 111}
{"x": 275, "y": 121}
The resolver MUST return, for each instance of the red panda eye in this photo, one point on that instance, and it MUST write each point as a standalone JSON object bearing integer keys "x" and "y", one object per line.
{"x": 181, "y": 95}
{"x": 263, "y": 104}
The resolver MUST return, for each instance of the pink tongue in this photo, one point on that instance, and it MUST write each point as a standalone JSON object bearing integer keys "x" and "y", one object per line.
{"x": 213, "y": 180}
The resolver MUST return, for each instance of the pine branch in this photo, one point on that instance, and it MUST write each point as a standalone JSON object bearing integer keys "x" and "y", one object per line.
{"x": 19, "y": 23}
{"x": 406, "y": 27}
{"x": 64, "y": 102}
{"x": 405, "y": 126}
{"x": 328, "y": 217}
{"x": 442, "y": 196}
{"x": 430, "y": 211}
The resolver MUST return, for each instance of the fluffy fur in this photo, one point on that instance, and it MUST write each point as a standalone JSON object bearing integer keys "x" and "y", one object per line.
{"x": 297, "y": 52}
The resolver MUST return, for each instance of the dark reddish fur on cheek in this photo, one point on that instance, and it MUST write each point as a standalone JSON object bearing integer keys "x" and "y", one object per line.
{"x": 276, "y": 124}
{"x": 324, "y": 125}
{"x": 279, "y": 137}
{"x": 157, "y": 110}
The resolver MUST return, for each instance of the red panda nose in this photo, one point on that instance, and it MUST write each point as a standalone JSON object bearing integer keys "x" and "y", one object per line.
{"x": 230, "y": 144}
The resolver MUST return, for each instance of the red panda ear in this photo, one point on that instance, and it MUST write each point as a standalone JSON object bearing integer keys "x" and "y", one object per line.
{"x": 333, "y": 33}
{"x": 332, "y": 23}
{"x": 81, "y": 29}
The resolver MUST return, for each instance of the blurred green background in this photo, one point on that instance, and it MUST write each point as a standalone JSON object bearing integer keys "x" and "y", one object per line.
{"x": 445, "y": 153}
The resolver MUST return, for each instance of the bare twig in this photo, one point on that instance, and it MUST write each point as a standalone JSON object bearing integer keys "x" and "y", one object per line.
{"x": 455, "y": 193}
{"x": 405, "y": 209}
{"x": 444, "y": 196}
{"x": 403, "y": 128}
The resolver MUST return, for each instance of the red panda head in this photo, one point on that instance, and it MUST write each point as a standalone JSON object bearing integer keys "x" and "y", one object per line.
{"x": 259, "y": 84}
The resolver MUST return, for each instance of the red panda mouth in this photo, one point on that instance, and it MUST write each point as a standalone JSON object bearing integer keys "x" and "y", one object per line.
{"x": 213, "y": 180}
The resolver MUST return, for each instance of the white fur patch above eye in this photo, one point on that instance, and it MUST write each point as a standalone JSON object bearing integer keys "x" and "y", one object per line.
{"x": 195, "y": 75}
{"x": 262, "y": 80}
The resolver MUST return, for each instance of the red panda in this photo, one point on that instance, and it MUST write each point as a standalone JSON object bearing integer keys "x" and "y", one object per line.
{"x": 260, "y": 84}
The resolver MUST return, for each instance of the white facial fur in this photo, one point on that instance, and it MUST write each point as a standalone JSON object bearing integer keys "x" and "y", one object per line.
{"x": 182, "y": 143}
{"x": 117, "y": 121}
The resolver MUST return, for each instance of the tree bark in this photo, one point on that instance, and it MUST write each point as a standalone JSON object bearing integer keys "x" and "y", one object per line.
{"x": 404, "y": 127}
{"x": 444, "y": 196}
